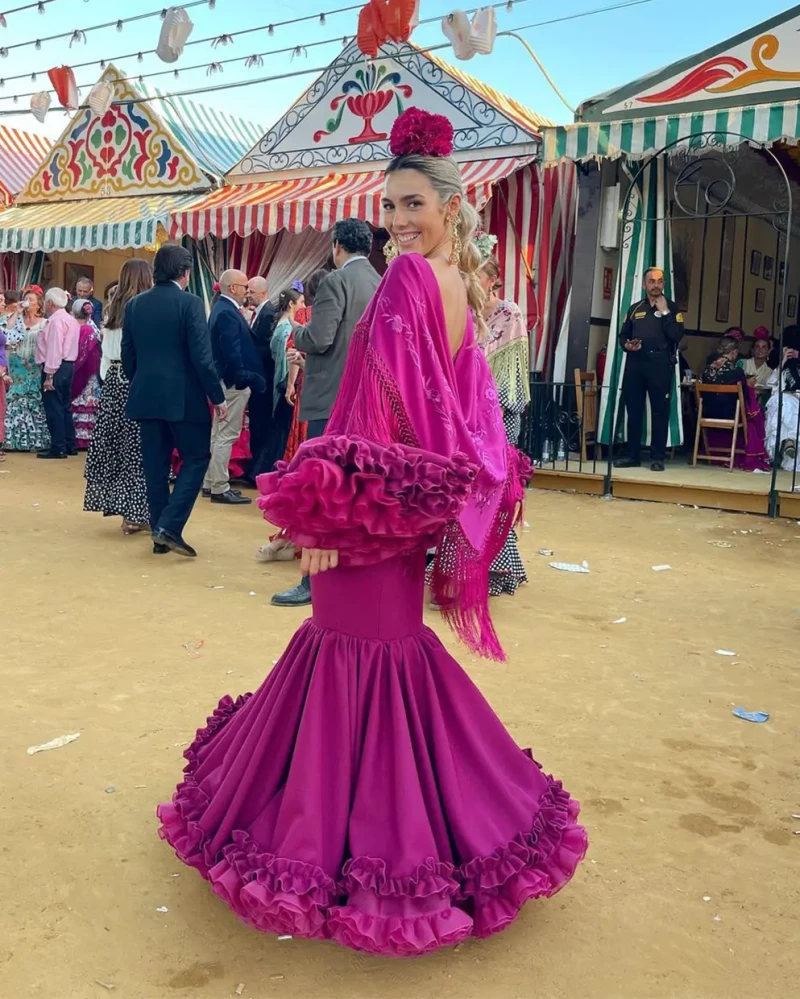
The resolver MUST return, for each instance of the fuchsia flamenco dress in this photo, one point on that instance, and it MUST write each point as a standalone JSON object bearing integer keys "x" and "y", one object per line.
{"x": 366, "y": 792}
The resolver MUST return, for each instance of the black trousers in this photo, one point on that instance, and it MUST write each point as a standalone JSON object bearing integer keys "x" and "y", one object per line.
{"x": 58, "y": 411}
{"x": 192, "y": 441}
{"x": 316, "y": 428}
{"x": 648, "y": 375}
{"x": 260, "y": 412}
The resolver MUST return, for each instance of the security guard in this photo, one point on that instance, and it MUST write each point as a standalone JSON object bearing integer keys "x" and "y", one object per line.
{"x": 650, "y": 335}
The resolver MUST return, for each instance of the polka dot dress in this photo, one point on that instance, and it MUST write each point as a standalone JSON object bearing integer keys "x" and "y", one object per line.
{"x": 115, "y": 483}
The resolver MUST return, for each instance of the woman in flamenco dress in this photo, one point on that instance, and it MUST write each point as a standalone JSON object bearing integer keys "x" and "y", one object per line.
{"x": 366, "y": 792}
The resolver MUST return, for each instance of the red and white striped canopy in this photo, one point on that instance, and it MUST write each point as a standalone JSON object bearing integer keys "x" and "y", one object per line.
{"x": 21, "y": 153}
{"x": 315, "y": 202}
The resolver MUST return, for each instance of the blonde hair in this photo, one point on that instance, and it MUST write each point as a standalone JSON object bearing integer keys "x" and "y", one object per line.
{"x": 445, "y": 178}
{"x": 491, "y": 267}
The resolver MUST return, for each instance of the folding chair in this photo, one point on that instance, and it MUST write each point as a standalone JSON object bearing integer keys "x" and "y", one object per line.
{"x": 704, "y": 423}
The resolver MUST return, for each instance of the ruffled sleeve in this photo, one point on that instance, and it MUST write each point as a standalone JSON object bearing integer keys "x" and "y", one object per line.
{"x": 365, "y": 500}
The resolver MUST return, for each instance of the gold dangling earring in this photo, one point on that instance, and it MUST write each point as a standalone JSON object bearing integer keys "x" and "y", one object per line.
{"x": 390, "y": 250}
{"x": 455, "y": 252}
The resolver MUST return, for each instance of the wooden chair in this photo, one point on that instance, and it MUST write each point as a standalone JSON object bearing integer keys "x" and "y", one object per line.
{"x": 586, "y": 403}
{"x": 704, "y": 423}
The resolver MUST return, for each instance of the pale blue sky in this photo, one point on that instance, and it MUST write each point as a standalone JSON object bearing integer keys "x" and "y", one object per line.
{"x": 584, "y": 56}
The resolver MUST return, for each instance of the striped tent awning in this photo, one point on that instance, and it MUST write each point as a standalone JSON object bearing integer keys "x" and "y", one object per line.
{"x": 99, "y": 224}
{"x": 20, "y": 156}
{"x": 313, "y": 202}
{"x": 764, "y": 123}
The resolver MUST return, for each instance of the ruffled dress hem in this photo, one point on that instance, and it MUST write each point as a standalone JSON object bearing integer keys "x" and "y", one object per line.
{"x": 438, "y": 905}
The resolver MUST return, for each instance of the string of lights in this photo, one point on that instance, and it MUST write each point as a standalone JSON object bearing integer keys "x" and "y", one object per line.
{"x": 293, "y": 74}
{"x": 249, "y": 60}
{"x": 40, "y": 5}
{"x": 79, "y": 34}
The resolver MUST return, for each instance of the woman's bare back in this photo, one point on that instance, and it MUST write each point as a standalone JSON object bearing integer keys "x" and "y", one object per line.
{"x": 454, "y": 301}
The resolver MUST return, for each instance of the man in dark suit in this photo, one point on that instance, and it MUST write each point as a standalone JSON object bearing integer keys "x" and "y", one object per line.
{"x": 260, "y": 408}
{"x": 166, "y": 356}
{"x": 239, "y": 366}
{"x": 84, "y": 288}
{"x": 340, "y": 301}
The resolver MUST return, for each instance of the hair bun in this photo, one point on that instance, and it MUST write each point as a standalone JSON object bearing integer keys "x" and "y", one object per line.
{"x": 419, "y": 133}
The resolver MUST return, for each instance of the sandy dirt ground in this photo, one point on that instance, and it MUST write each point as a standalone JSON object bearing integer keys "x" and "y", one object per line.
{"x": 690, "y": 888}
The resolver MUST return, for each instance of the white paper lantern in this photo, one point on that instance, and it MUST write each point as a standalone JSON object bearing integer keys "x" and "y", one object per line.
{"x": 39, "y": 105}
{"x": 457, "y": 28}
{"x": 484, "y": 30}
{"x": 472, "y": 39}
{"x": 101, "y": 97}
{"x": 175, "y": 30}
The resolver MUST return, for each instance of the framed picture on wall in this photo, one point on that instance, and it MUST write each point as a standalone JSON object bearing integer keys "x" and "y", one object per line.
{"x": 769, "y": 268}
{"x": 755, "y": 263}
{"x": 781, "y": 272}
{"x": 791, "y": 306}
{"x": 72, "y": 274}
{"x": 761, "y": 299}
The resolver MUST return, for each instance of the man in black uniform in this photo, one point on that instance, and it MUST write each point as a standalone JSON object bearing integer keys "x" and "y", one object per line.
{"x": 650, "y": 335}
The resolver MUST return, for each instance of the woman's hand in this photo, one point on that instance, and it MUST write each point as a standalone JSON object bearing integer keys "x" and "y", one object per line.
{"x": 315, "y": 560}
{"x": 291, "y": 395}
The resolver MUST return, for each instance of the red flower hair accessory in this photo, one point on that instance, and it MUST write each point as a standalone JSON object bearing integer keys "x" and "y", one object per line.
{"x": 215, "y": 287}
{"x": 419, "y": 133}
{"x": 762, "y": 333}
{"x": 36, "y": 288}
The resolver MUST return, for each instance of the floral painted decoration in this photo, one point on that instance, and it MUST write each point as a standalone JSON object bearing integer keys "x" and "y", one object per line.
{"x": 419, "y": 133}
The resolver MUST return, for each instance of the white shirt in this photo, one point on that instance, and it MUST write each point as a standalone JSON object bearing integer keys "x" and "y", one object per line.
{"x": 232, "y": 300}
{"x": 351, "y": 261}
{"x": 259, "y": 307}
{"x": 111, "y": 350}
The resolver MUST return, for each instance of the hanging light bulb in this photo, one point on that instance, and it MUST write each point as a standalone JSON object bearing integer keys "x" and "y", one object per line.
{"x": 3, "y": 21}
{"x": 102, "y": 64}
{"x": 120, "y": 25}
{"x": 177, "y": 74}
{"x": 41, "y": 7}
{"x": 163, "y": 13}
{"x": 212, "y": 4}
{"x": 140, "y": 57}
{"x": 271, "y": 29}
{"x": 38, "y": 43}
{"x": 77, "y": 36}
{"x": 3, "y": 53}
{"x": 33, "y": 77}
{"x": 510, "y": 6}
{"x": 322, "y": 19}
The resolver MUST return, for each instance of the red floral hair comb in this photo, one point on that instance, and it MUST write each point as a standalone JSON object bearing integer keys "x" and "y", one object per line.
{"x": 419, "y": 133}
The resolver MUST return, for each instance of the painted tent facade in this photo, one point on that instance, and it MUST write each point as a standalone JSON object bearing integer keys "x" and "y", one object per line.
{"x": 109, "y": 184}
{"x": 645, "y": 136}
{"x": 324, "y": 160}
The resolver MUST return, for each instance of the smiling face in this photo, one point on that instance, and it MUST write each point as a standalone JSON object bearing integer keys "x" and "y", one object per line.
{"x": 414, "y": 214}
{"x": 761, "y": 350}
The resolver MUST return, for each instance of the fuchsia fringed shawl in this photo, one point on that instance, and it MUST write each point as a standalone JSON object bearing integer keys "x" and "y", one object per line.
{"x": 415, "y": 455}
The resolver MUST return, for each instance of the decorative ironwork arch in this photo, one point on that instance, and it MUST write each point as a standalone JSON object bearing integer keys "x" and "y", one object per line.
{"x": 715, "y": 199}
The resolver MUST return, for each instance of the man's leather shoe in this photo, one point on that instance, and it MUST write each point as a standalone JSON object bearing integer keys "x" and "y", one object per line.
{"x": 160, "y": 549}
{"x": 231, "y": 497}
{"x": 657, "y": 466}
{"x": 207, "y": 492}
{"x": 72, "y": 452}
{"x": 298, "y": 596}
{"x": 627, "y": 463}
{"x": 51, "y": 454}
{"x": 174, "y": 542}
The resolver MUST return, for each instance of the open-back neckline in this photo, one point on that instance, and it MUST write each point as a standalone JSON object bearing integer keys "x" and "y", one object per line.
{"x": 442, "y": 309}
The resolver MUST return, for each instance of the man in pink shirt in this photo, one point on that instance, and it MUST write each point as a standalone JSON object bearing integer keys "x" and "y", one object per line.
{"x": 56, "y": 351}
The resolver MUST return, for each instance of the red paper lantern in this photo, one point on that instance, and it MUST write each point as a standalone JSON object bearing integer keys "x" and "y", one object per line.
{"x": 63, "y": 80}
{"x": 381, "y": 21}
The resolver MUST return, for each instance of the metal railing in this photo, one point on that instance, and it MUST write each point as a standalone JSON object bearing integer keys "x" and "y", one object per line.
{"x": 559, "y": 430}
{"x": 561, "y": 425}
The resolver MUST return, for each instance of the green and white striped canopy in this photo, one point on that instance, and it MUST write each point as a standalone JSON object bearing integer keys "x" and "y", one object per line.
{"x": 765, "y": 123}
{"x": 96, "y": 224}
